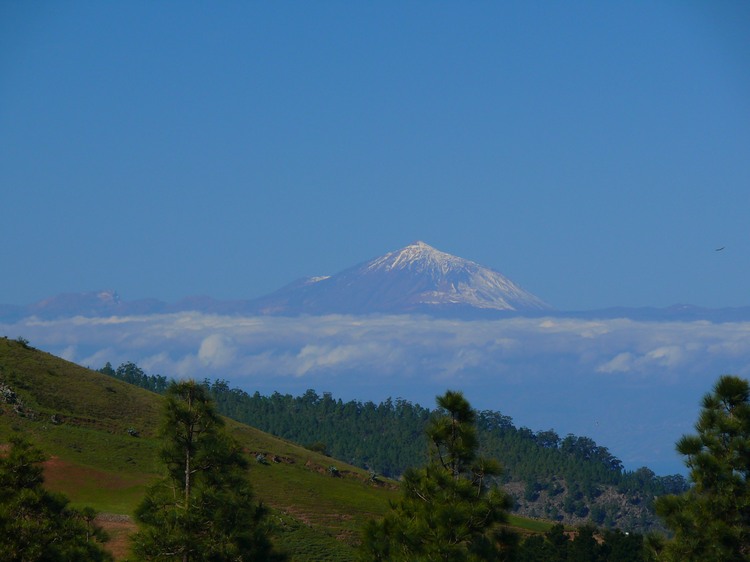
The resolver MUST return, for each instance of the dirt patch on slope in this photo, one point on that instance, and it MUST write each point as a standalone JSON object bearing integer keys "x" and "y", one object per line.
{"x": 61, "y": 475}
{"x": 119, "y": 528}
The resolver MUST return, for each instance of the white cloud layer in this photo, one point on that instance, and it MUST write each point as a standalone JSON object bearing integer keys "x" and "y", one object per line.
{"x": 394, "y": 344}
{"x": 550, "y": 371}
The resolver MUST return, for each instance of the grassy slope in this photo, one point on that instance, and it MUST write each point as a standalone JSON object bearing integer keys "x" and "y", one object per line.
{"x": 96, "y": 462}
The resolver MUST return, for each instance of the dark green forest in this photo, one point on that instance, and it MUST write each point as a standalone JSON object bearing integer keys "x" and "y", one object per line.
{"x": 568, "y": 478}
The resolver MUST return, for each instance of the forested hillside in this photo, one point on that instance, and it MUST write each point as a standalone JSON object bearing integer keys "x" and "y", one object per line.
{"x": 569, "y": 479}
{"x": 101, "y": 440}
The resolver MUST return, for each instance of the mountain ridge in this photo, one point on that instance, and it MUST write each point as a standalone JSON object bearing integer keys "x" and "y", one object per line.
{"x": 414, "y": 279}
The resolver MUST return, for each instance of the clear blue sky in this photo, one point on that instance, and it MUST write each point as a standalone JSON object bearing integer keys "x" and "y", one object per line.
{"x": 596, "y": 153}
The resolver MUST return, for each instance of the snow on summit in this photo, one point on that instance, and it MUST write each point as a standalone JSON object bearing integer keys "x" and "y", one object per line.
{"x": 418, "y": 255}
{"x": 416, "y": 278}
{"x": 445, "y": 279}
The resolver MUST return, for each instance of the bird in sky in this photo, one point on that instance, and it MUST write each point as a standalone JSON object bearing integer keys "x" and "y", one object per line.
{"x": 719, "y": 249}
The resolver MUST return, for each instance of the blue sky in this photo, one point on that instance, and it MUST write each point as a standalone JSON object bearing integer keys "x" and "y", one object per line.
{"x": 595, "y": 153}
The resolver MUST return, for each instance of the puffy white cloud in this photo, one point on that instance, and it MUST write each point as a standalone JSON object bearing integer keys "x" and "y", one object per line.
{"x": 69, "y": 353}
{"x": 621, "y": 363}
{"x": 216, "y": 350}
{"x": 644, "y": 378}
{"x": 667, "y": 356}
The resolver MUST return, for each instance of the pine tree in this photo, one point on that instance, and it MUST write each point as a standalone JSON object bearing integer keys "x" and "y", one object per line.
{"x": 711, "y": 521}
{"x": 448, "y": 510}
{"x": 38, "y": 525}
{"x": 204, "y": 508}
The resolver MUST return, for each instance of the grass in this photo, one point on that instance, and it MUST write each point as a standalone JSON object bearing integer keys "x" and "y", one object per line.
{"x": 529, "y": 525}
{"x": 80, "y": 419}
{"x": 95, "y": 462}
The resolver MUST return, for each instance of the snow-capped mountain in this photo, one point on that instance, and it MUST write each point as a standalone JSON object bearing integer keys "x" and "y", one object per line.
{"x": 417, "y": 278}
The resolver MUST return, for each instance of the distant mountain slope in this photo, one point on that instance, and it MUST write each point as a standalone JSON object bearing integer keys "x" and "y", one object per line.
{"x": 582, "y": 480}
{"x": 417, "y": 278}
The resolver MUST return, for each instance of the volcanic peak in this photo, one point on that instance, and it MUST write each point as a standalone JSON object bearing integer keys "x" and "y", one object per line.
{"x": 421, "y": 257}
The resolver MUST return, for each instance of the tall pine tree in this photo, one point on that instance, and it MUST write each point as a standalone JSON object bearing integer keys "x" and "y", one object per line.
{"x": 711, "y": 521}
{"x": 204, "y": 508}
{"x": 449, "y": 510}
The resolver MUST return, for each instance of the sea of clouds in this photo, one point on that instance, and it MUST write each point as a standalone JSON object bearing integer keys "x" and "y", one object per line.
{"x": 633, "y": 386}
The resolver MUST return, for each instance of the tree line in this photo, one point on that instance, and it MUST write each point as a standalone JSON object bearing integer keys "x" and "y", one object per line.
{"x": 450, "y": 507}
{"x": 564, "y": 476}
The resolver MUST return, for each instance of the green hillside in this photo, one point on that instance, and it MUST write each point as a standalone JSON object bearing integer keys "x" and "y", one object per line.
{"x": 571, "y": 480}
{"x": 100, "y": 435}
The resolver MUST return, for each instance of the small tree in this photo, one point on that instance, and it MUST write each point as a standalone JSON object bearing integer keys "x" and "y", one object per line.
{"x": 204, "y": 509}
{"x": 37, "y": 525}
{"x": 711, "y": 521}
{"x": 448, "y": 510}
